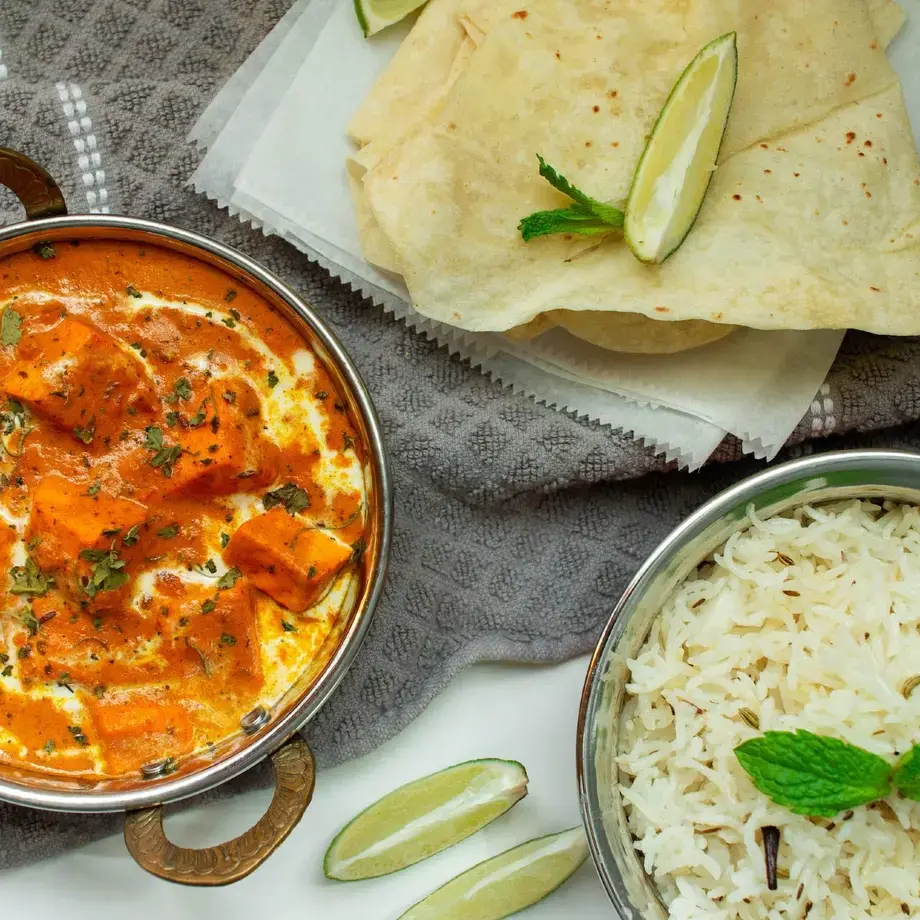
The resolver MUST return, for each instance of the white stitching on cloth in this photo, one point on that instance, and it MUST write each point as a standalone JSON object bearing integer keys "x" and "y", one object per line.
{"x": 89, "y": 159}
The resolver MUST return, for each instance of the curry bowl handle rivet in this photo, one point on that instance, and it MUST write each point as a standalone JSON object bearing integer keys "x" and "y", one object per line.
{"x": 295, "y": 777}
{"x": 254, "y": 720}
{"x": 31, "y": 184}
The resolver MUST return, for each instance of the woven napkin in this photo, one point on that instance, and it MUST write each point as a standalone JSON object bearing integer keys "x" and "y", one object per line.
{"x": 516, "y": 526}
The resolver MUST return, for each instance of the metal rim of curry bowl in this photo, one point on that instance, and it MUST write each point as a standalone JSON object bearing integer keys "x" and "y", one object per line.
{"x": 885, "y": 470}
{"x": 261, "y": 745}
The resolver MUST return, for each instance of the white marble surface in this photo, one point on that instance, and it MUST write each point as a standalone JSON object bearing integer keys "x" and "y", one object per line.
{"x": 524, "y": 713}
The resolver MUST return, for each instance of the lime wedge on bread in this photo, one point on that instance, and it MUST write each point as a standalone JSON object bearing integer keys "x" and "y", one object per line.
{"x": 680, "y": 156}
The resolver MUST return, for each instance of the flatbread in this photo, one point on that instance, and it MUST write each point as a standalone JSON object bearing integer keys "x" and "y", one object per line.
{"x": 887, "y": 20}
{"x": 418, "y": 71}
{"x": 801, "y": 229}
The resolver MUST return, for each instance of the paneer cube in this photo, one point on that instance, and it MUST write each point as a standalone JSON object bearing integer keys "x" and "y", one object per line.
{"x": 134, "y": 729}
{"x": 220, "y": 456}
{"x": 77, "y": 377}
{"x": 66, "y": 519}
{"x": 291, "y": 563}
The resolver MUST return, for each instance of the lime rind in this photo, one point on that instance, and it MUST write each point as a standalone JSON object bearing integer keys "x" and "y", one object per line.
{"x": 724, "y": 50}
{"x": 424, "y": 817}
{"x": 507, "y": 883}
{"x": 376, "y": 15}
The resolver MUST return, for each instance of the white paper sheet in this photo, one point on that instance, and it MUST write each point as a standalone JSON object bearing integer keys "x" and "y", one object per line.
{"x": 305, "y": 81}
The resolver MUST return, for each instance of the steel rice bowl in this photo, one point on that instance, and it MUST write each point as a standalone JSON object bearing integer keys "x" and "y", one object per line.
{"x": 870, "y": 474}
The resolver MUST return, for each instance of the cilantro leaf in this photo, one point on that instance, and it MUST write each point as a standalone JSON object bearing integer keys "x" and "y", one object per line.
{"x": 587, "y": 217}
{"x": 86, "y": 434}
{"x": 107, "y": 571}
{"x": 208, "y": 605}
{"x": 907, "y": 774}
{"x": 290, "y": 495}
{"x": 229, "y": 579}
{"x": 163, "y": 456}
{"x": 167, "y": 533}
{"x": 812, "y": 774}
{"x": 10, "y": 327}
{"x": 272, "y": 379}
{"x": 132, "y": 536}
{"x": 29, "y": 579}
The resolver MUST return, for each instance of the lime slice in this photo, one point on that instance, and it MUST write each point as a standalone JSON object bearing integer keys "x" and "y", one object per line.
{"x": 679, "y": 158}
{"x": 374, "y": 15}
{"x": 424, "y": 817}
{"x": 507, "y": 883}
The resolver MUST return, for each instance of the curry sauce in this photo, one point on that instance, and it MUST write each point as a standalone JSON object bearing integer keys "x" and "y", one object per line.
{"x": 181, "y": 506}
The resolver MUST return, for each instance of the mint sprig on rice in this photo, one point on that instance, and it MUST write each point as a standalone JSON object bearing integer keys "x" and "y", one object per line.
{"x": 819, "y": 776}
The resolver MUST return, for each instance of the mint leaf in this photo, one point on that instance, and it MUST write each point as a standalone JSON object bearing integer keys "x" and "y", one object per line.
{"x": 563, "y": 220}
{"x": 814, "y": 775}
{"x": 587, "y": 216}
{"x": 907, "y": 774}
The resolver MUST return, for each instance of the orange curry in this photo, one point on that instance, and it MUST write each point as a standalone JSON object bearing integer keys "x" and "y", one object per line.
{"x": 182, "y": 506}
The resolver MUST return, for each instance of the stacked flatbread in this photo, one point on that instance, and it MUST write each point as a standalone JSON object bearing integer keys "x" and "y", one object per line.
{"x": 812, "y": 219}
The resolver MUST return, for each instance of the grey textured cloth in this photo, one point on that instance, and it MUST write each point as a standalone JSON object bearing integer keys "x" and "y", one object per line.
{"x": 516, "y": 526}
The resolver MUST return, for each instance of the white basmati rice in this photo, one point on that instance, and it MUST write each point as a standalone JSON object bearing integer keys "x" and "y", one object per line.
{"x": 824, "y": 644}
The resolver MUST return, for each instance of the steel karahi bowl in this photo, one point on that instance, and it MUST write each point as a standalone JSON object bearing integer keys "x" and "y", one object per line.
{"x": 264, "y": 733}
{"x": 873, "y": 474}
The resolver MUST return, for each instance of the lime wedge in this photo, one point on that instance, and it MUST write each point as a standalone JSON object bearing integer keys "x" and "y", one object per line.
{"x": 424, "y": 817}
{"x": 679, "y": 158}
{"x": 507, "y": 883}
{"x": 374, "y": 15}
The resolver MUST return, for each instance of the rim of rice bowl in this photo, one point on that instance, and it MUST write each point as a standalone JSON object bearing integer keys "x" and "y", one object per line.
{"x": 805, "y": 614}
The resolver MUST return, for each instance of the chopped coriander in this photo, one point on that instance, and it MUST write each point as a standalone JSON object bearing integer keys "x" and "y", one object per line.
{"x": 199, "y": 417}
{"x": 63, "y": 681}
{"x": 290, "y": 495}
{"x": 163, "y": 457}
{"x": 132, "y": 536}
{"x": 114, "y": 532}
{"x": 272, "y": 379}
{"x": 230, "y": 296}
{"x": 10, "y": 327}
{"x": 97, "y": 624}
{"x": 228, "y": 322}
{"x": 288, "y": 627}
{"x": 49, "y": 746}
{"x": 181, "y": 390}
{"x": 30, "y": 623}
{"x": 93, "y": 490}
{"x": 107, "y": 571}
{"x": 172, "y": 419}
{"x": 224, "y": 540}
{"x": 133, "y": 291}
{"x": 7, "y": 671}
{"x": 168, "y": 532}
{"x": 208, "y": 605}
{"x": 311, "y": 572}
{"x": 210, "y": 566}
{"x": 357, "y": 549}
{"x": 24, "y": 652}
{"x": 28, "y": 579}
{"x": 321, "y": 394}
{"x": 86, "y": 434}
{"x": 78, "y": 735}
{"x": 33, "y": 543}
{"x": 44, "y": 250}
{"x": 227, "y": 639}
{"x": 99, "y": 691}
{"x": 229, "y": 396}
{"x": 229, "y": 578}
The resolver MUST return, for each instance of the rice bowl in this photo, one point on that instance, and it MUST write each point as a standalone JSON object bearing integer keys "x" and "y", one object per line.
{"x": 788, "y": 602}
{"x": 802, "y": 621}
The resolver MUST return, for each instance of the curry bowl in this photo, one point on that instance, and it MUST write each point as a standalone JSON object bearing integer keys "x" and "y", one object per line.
{"x": 215, "y": 462}
{"x": 877, "y": 475}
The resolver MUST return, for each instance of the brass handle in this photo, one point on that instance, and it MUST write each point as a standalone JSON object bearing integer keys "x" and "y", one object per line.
{"x": 295, "y": 777}
{"x": 31, "y": 184}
